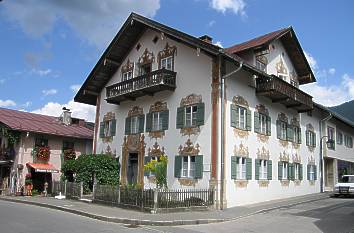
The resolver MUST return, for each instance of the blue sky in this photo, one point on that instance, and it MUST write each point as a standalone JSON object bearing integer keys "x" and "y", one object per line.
{"x": 49, "y": 47}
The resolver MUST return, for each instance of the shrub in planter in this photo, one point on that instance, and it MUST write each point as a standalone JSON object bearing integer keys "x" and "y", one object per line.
{"x": 69, "y": 154}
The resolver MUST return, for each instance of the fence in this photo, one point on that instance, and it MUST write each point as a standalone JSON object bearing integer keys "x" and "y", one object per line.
{"x": 70, "y": 190}
{"x": 154, "y": 200}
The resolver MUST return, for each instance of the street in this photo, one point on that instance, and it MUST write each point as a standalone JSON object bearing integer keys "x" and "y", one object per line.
{"x": 330, "y": 215}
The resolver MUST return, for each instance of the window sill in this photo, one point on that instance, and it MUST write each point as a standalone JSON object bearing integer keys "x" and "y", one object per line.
{"x": 187, "y": 181}
{"x": 263, "y": 183}
{"x": 241, "y": 183}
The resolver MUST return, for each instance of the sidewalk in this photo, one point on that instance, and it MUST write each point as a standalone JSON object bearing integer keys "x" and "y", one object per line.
{"x": 126, "y": 216}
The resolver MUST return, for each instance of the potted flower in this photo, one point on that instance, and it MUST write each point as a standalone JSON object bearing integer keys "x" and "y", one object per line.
{"x": 29, "y": 184}
{"x": 43, "y": 153}
{"x": 69, "y": 154}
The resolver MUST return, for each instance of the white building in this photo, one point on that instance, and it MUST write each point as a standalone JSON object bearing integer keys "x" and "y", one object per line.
{"x": 231, "y": 119}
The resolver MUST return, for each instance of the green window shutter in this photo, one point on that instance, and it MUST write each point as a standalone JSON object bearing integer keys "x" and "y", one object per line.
{"x": 291, "y": 171}
{"x": 256, "y": 122}
{"x": 248, "y": 169}
{"x": 249, "y": 120}
{"x": 146, "y": 160}
{"x": 141, "y": 120}
{"x": 269, "y": 126}
{"x": 256, "y": 169}
{"x": 180, "y": 118}
{"x": 113, "y": 127}
{"x": 199, "y": 166}
{"x": 300, "y": 172}
{"x": 280, "y": 170}
{"x": 233, "y": 167}
{"x": 315, "y": 170}
{"x": 314, "y": 139}
{"x": 269, "y": 170}
{"x": 101, "y": 129}
{"x": 148, "y": 122}
{"x": 307, "y": 138}
{"x": 178, "y": 166}
{"x": 164, "y": 117}
{"x": 290, "y": 133}
{"x": 278, "y": 129}
{"x": 308, "y": 172}
{"x": 234, "y": 115}
{"x": 127, "y": 125}
{"x": 200, "y": 114}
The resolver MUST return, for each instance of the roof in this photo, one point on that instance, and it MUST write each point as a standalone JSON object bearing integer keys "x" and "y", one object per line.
{"x": 121, "y": 44}
{"x": 335, "y": 115}
{"x": 291, "y": 45}
{"x": 31, "y": 122}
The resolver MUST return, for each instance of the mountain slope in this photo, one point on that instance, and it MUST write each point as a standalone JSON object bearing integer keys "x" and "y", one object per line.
{"x": 345, "y": 109}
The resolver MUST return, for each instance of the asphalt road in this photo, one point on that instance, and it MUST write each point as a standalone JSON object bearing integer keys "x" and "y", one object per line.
{"x": 331, "y": 215}
{"x": 21, "y": 218}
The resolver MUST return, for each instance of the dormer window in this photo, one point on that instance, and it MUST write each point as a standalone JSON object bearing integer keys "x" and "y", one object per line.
{"x": 145, "y": 62}
{"x": 165, "y": 58}
{"x": 127, "y": 75}
{"x": 127, "y": 70}
{"x": 261, "y": 63}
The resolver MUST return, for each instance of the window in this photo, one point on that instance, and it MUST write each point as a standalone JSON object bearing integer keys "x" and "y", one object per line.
{"x": 134, "y": 125}
{"x": 310, "y": 138}
{"x": 330, "y": 133}
{"x": 145, "y": 69}
{"x": 282, "y": 76}
{"x": 241, "y": 168}
{"x": 339, "y": 138}
{"x": 348, "y": 140}
{"x": 40, "y": 142}
{"x": 167, "y": 63}
{"x": 283, "y": 129}
{"x": 127, "y": 75}
{"x": 156, "y": 121}
{"x": 283, "y": 170}
{"x": 190, "y": 116}
{"x": 240, "y": 117}
{"x": 261, "y": 66}
{"x": 311, "y": 172}
{"x": 297, "y": 171}
{"x": 188, "y": 166}
{"x": 68, "y": 145}
{"x": 263, "y": 123}
{"x": 263, "y": 169}
{"x": 108, "y": 128}
{"x": 297, "y": 134}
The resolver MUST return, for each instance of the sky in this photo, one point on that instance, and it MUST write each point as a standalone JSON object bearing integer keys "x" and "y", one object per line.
{"x": 48, "y": 47}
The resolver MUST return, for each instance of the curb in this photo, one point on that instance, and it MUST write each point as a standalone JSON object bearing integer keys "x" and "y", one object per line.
{"x": 154, "y": 222}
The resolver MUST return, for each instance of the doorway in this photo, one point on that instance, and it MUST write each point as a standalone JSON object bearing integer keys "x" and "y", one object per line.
{"x": 132, "y": 171}
{"x": 39, "y": 178}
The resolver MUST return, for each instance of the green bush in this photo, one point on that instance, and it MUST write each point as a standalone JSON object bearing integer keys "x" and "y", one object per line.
{"x": 85, "y": 167}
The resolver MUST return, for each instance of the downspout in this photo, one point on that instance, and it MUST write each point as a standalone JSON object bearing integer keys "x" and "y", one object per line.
{"x": 222, "y": 146}
{"x": 321, "y": 151}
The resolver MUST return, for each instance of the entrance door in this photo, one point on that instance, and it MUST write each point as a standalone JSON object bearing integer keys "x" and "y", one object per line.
{"x": 39, "y": 178}
{"x": 132, "y": 172}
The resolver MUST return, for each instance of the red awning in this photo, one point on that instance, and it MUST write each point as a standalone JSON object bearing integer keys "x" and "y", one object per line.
{"x": 43, "y": 167}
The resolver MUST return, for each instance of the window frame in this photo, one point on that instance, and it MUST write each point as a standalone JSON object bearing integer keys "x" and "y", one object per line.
{"x": 38, "y": 142}
{"x": 285, "y": 170}
{"x": 297, "y": 171}
{"x": 261, "y": 65}
{"x": 191, "y": 167}
{"x": 155, "y": 127}
{"x": 126, "y": 76}
{"x": 166, "y": 59}
{"x": 192, "y": 121}
{"x": 134, "y": 128}
{"x": 312, "y": 173}
{"x": 263, "y": 169}
{"x": 107, "y": 128}
{"x": 241, "y": 171}
{"x": 283, "y": 130}
{"x": 339, "y": 138}
{"x": 263, "y": 125}
{"x": 297, "y": 134}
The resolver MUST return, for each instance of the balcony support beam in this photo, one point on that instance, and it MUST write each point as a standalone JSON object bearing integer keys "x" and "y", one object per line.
{"x": 280, "y": 100}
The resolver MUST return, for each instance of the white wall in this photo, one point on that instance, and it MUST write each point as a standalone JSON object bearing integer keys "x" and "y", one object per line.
{"x": 239, "y": 84}
{"x": 193, "y": 76}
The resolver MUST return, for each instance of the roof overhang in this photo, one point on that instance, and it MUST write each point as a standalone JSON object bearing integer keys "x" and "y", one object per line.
{"x": 123, "y": 42}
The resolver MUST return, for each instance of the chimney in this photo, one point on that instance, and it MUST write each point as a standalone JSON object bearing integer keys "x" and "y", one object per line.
{"x": 66, "y": 116}
{"x": 207, "y": 39}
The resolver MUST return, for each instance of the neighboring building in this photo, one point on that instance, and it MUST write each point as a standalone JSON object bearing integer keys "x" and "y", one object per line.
{"x": 23, "y": 135}
{"x": 231, "y": 119}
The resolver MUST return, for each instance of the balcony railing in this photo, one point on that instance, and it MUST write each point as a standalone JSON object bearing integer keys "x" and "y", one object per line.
{"x": 283, "y": 92}
{"x": 147, "y": 84}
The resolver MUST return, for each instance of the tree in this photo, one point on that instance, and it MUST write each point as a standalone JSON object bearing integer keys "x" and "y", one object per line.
{"x": 159, "y": 168}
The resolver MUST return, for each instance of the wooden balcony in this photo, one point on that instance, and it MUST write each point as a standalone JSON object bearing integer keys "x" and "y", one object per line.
{"x": 147, "y": 84}
{"x": 280, "y": 91}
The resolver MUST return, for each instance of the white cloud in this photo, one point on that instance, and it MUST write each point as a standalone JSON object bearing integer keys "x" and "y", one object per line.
{"x": 75, "y": 88}
{"x": 78, "y": 110}
{"x": 7, "y": 103}
{"x": 332, "y": 71}
{"x": 211, "y": 23}
{"x": 236, "y": 6}
{"x": 94, "y": 21}
{"x": 218, "y": 43}
{"x": 27, "y": 104}
{"x": 49, "y": 92}
{"x": 41, "y": 72}
{"x": 332, "y": 95}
